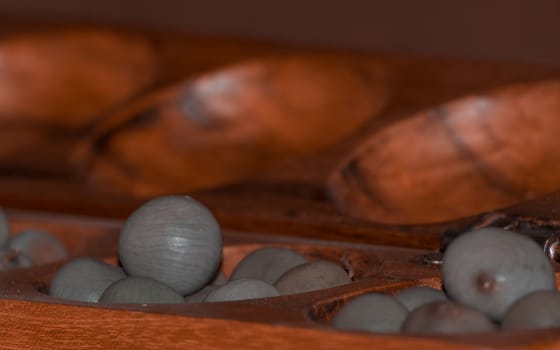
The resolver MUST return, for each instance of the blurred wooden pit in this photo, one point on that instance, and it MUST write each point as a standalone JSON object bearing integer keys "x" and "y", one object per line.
{"x": 232, "y": 124}
{"x": 477, "y": 154}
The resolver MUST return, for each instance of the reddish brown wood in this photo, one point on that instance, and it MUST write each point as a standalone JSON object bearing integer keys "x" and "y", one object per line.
{"x": 480, "y": 153}
{"x": 231, "y": 124}
{"x": 56, "y": 84}
{"x": 94, "y": 328}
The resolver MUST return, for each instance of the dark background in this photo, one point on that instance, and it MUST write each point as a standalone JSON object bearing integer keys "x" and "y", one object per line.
{"x": 510, "y": 30}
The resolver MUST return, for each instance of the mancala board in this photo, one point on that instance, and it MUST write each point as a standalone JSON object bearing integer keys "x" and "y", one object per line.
{"x": 371, "y": 161}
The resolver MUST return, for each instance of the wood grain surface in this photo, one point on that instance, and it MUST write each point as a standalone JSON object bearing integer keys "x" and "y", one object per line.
{"x": 231, "y": 124}
{"x": 55, "y": 85}
{"x": 485, "y": 151}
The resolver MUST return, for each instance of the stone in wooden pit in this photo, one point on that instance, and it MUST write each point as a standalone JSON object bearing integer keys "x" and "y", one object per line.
{"x": 490, "y": 268}
{"x": 84, "y": 279}
{"x": 140, "y": 290}
{"x": 34, "y": 247}
{"x": 173, "y": 239}
{"x": 312, "y": 276}
{"x": 540, "y": 309}
{"x": 372, "y": 312}
{"x": 445, "y": 317}
{"x": 411, "y": 298}
{"x": 242, "y": 289}
{"x": 267, "y": 264}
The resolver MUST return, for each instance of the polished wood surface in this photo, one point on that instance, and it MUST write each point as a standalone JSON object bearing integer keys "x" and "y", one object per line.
{"x": 231, "y": 124}
{"x": 358, "y": 158}
{"x": 55, "y": 85}
{"x": 482, "y": 152}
